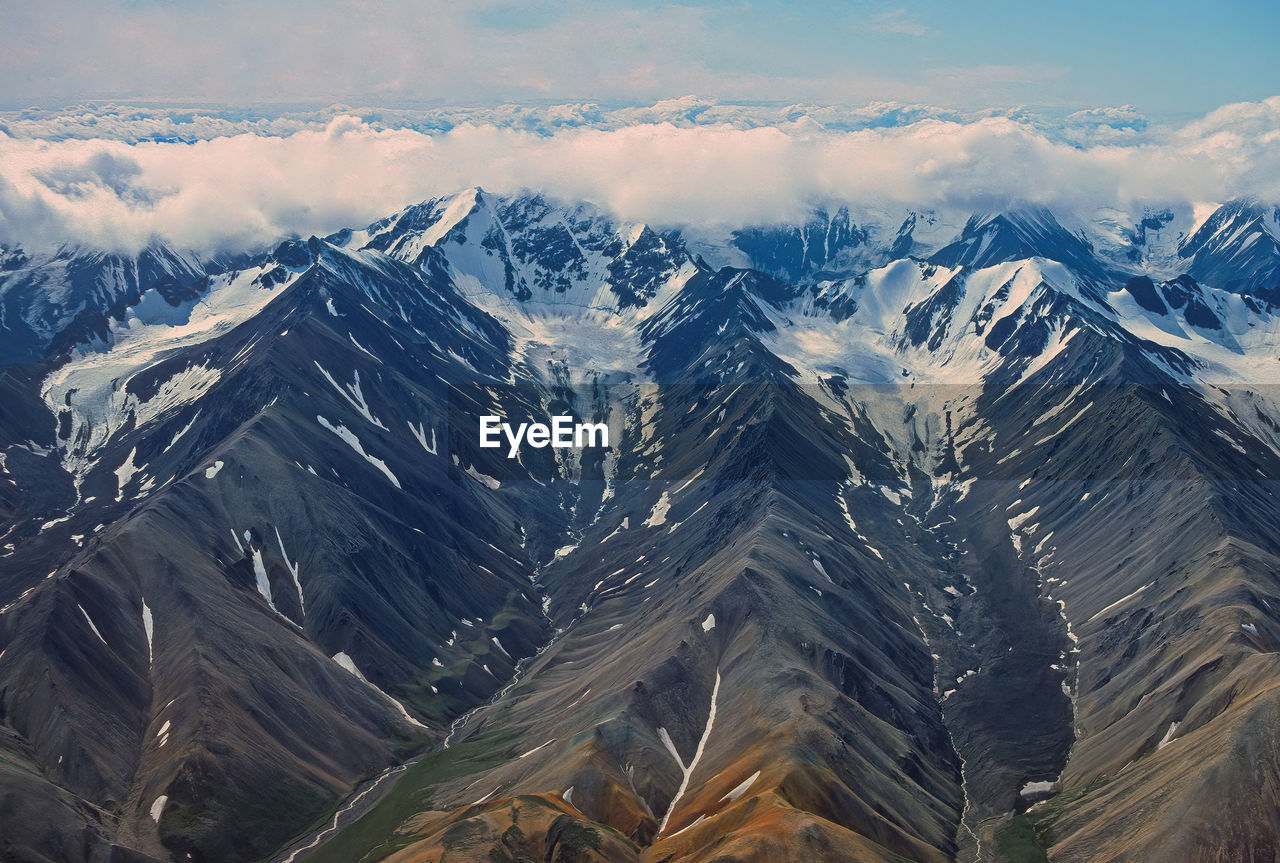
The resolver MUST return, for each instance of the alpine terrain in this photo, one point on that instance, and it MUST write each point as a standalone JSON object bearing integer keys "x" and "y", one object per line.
{"x": 913, "y": 540}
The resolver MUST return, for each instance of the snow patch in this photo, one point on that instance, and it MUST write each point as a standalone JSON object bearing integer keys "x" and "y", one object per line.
{"x": 349, "y": 664}
{"x": 484, "y": 479}
{"x": 261, "y": 581}
{"x": 535, "y": 749}
{"x": 697, "y": 755}
{"x": 1120, "y": 601}
{"x": 1033, "y": 788}
{"x": 149, "y": 628}
{"x": 92, "y": 625}
{"x": 354, "y": 395}
{"x": 659, "y": 514}
{"x": 125, "y": 473}
{"x": 354, "y": 442}
{"x": 185, "y": 429}
{"x": 420, "y": 433}
{"x": 741, "y": 789}
{"x": 293, "y": 572}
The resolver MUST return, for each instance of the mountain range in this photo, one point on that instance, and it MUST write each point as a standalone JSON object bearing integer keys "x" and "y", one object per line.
{"x": 917, "y": 540}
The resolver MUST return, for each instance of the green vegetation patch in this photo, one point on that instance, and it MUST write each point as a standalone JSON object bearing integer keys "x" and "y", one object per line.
{"x": 241, "y": 827}
{"x": 1017, "y": 842}
{"x": 375, "y": 834}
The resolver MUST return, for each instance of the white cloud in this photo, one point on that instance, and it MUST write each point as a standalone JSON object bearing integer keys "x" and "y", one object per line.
{"x": 897, "y": 21}
{"x": 1104, "y": 125}
{"x": 245, "y": 189}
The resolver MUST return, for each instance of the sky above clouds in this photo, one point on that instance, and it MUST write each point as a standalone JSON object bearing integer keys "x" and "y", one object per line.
{"x": 227, "y": 125}
{"x": 1165, "y": 58}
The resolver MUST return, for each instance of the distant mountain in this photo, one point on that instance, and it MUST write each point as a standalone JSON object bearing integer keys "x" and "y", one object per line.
{"x": 1238, "y": 249}
{"x": 1016, "y": 235}
{"x": 825, "y": 245}
{"x": 42, "y": 295}
{"x": 912, "y": 541}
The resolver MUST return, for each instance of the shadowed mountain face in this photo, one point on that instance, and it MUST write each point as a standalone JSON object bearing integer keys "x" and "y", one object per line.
{"x": 906, "y": 544}
{"x": 1238, "y": 248}
{"x": 71, "y": 292}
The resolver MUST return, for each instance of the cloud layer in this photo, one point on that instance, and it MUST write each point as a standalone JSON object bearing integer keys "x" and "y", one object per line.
{"x": 674, "y": 164}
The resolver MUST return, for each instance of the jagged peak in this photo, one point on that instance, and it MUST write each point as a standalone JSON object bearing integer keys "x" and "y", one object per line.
{"x": 1237, "y": 249}
{"x": 1023, "y": 217}
{"x": 1237, "y": 213}
{"x": 1017, "y": 233}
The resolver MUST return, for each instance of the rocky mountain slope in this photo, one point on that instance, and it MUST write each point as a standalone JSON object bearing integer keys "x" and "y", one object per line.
{"x": 913, "y": 541}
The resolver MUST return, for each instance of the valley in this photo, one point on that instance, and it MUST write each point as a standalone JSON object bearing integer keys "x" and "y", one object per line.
{"x": 894, "y": 548}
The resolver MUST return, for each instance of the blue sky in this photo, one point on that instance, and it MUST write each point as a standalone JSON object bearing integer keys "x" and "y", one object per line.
{"x": 1171, "y": 59}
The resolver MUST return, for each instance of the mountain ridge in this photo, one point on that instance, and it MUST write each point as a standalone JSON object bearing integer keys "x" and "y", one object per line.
{"x": 870, "y": 494}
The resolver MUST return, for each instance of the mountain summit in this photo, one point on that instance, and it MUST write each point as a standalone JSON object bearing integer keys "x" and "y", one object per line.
{"x": 911, "y": 542}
